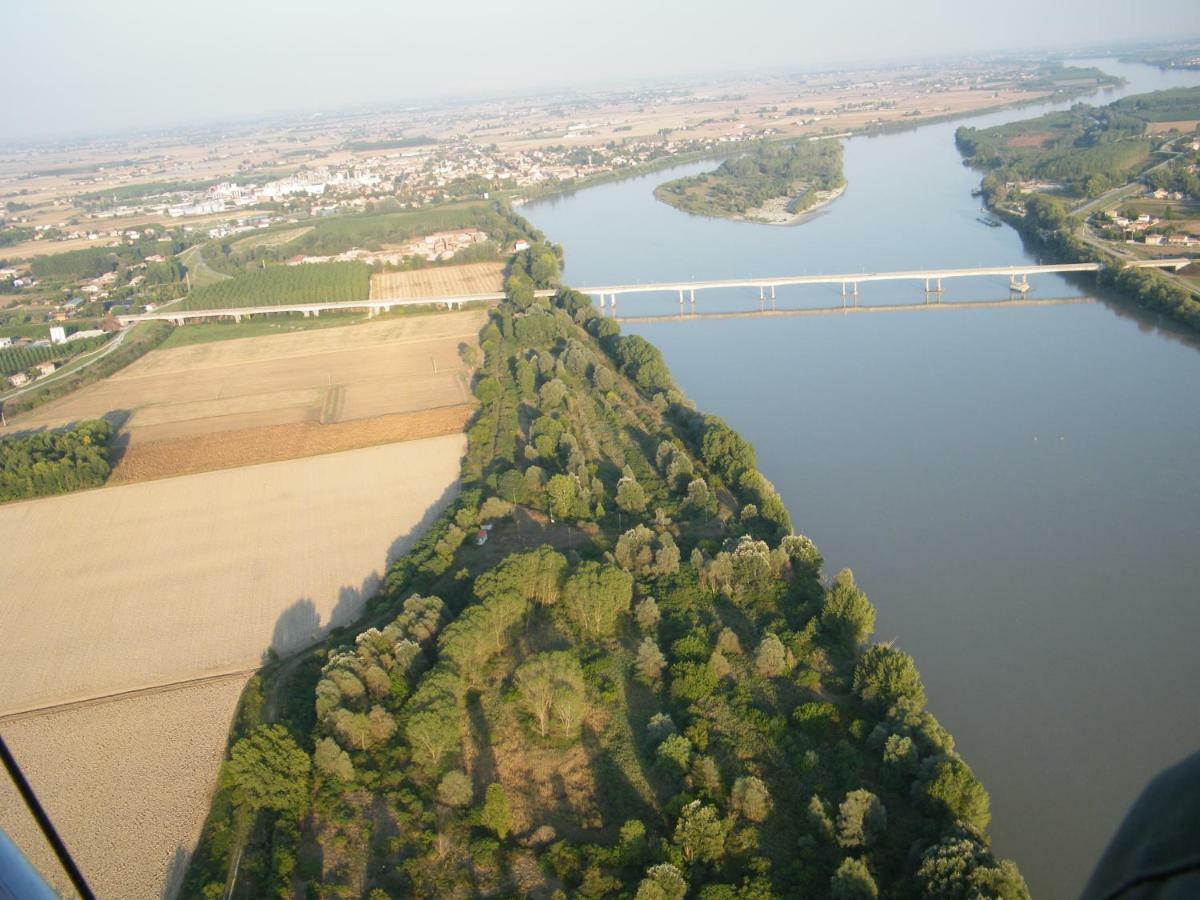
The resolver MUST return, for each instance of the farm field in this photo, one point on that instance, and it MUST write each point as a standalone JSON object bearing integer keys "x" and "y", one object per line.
{"x": 127, "y": 782}
{"x": 200, "y": 575}
{"x": 440, "y": 281}
{"x": 308, "y": 380}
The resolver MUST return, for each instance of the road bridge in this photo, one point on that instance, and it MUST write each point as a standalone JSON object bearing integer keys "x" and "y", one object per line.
{"x": 1018, "y": 276}
{"x": 371, "y": 307}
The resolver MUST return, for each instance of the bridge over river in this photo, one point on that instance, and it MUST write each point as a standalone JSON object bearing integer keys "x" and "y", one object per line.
{"x": 1018, "y": 279}
{"x": 1017, "y": 275}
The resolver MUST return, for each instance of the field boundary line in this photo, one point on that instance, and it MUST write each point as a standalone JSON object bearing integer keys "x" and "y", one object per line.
{"x": 128, "y": 694}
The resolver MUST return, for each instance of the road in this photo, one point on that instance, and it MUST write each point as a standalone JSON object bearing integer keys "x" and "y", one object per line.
{"x": 70, "y": 368}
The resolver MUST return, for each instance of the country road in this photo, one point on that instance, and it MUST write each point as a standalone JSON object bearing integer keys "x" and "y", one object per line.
{"x": 69, "y": 368}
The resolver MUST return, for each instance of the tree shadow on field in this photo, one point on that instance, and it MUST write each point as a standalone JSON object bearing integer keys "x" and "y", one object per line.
{"x": 401, "y": 544}
{"x": 175, "y": 872}
{"x": 300, "y": 625}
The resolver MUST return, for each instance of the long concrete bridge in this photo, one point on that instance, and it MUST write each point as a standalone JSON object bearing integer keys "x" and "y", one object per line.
{"x": 371, "y": 307}
{"x": 1018, "y": 276}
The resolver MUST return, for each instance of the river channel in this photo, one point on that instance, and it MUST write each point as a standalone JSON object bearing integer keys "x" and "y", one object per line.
{"x": 1017, "y": 490}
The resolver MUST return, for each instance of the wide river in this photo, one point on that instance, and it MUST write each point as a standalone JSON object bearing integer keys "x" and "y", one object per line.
{"x": 1018, "y": 490}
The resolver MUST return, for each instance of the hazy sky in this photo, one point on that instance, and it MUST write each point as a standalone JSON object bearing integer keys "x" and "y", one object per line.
{"x": 85, "y": 66}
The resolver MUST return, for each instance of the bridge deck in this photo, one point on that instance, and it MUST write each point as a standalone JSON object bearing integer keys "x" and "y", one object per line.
{"x": 182, "y": 315}
{"x": 862, "y": 277}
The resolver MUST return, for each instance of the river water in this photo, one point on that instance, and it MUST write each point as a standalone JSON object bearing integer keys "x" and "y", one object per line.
{"x": 1016, "y": 489}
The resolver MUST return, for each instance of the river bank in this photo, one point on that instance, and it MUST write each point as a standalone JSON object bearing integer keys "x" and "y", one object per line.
{"x": 925, "y": 451}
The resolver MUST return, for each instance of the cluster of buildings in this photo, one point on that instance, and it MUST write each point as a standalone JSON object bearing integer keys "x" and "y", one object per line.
{"x": 58, "y": 335}
{"x": 229, "y": 195}
{"x": 1145, "y": 225}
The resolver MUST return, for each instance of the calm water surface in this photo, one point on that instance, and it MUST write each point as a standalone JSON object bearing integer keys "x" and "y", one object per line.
{"x": 1016, "y": 489}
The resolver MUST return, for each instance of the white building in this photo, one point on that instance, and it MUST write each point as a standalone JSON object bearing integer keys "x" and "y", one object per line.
{"x": 58, "y": 334}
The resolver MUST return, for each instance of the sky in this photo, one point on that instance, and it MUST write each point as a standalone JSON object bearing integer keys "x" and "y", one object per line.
{"x": 77, "y": 67}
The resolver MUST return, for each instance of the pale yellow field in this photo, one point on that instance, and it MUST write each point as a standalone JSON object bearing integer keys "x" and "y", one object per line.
{"x": 159, "y": 581}
{"x": 127, "y": 783}
{"x": 327, "y": 375}
{"x": 274, "y": 239}
{"x": 442, "y": 281}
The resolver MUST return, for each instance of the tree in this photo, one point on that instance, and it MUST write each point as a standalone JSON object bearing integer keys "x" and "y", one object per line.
{"x": 494, "y": 814}
{"x": 432, "y": 733}
{"x": 697, "y": 493}
{"x": 455, "y": 789}
{"x": 269, "y": 771}
{"x": 332, "y": 761}
{"x": 960, "y": 865}
{"x": 700, "y": 833}
{"x": 650, "y": 660}
{"x": 750, "y": 798}
{"x": 861, "y": 819}
{"x": 647, "y": 615}
{"x": 631, "y": 497}
{"x": 885, "y": 676}
{"x": 595, "y": 596}
{"x": 771, "y": 658}
{"x": 562, "y": 491}
{"x": 662, "y": 882}
{"x": 852, "y": 881}
{"x": 846, "y": 614}
{"x": 551, "y": 683}
{"x": 951, "y": 788}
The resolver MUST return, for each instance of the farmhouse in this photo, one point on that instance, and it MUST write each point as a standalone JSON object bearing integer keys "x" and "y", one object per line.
{"x": 46, "y": 368}
{"x": 5, "y": 342}
{"x": 18, "y": 380}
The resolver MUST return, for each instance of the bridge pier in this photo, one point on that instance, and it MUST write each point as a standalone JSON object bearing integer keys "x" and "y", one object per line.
{"x": 772, "y": 296}
{"x": 692, "y": 293}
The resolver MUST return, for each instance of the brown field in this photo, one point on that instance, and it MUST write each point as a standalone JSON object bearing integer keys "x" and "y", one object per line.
{"x": 127, "y": 782}
{"x": 292, "y": 385}
{"x": 200, "y": 575}
{"x": 442, "y": 281}
{"x": 1030, "y": 140}
{"x": 184, "y": 456}
{"x": 1183, "y": 126}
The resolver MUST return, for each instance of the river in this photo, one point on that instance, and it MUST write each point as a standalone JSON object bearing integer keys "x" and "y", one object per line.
{"x": 1016, "y": 489}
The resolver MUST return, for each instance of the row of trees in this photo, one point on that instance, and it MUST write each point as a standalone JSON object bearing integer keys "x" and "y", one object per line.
{"x": 275, "y": 285}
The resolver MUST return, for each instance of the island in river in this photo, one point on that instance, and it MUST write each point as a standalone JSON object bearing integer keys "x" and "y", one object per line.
{"x": 774, "y": 184}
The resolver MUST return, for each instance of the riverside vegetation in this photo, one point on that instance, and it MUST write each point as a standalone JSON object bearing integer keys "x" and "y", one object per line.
{"x": 1089, "y": 150}
{"x": 773, "y": 183}
{"x": 643, "y": 685}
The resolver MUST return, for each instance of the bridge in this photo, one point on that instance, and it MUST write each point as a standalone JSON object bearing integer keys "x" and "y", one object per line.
{"x": 371, "y": 307}
{"x": 1018, "y": 276}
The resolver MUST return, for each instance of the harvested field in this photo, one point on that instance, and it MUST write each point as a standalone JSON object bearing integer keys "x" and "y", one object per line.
{"x": 273, "y": 239}
{"x": 159, "y": 459}
{"x": 199, "y": 575}
{"x": 441, "y": 281}
{"x": 127, "y": 782}
{"x": 302, "y": 380}
{"x": 1030, "y": 140}
{"x": 1183, "y": 126}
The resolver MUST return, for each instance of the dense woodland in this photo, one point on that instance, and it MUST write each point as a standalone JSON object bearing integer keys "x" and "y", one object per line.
{"x": 54, "y": 462}
{"x": 643, "y": 685}
{"x": 771, "y": 171}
